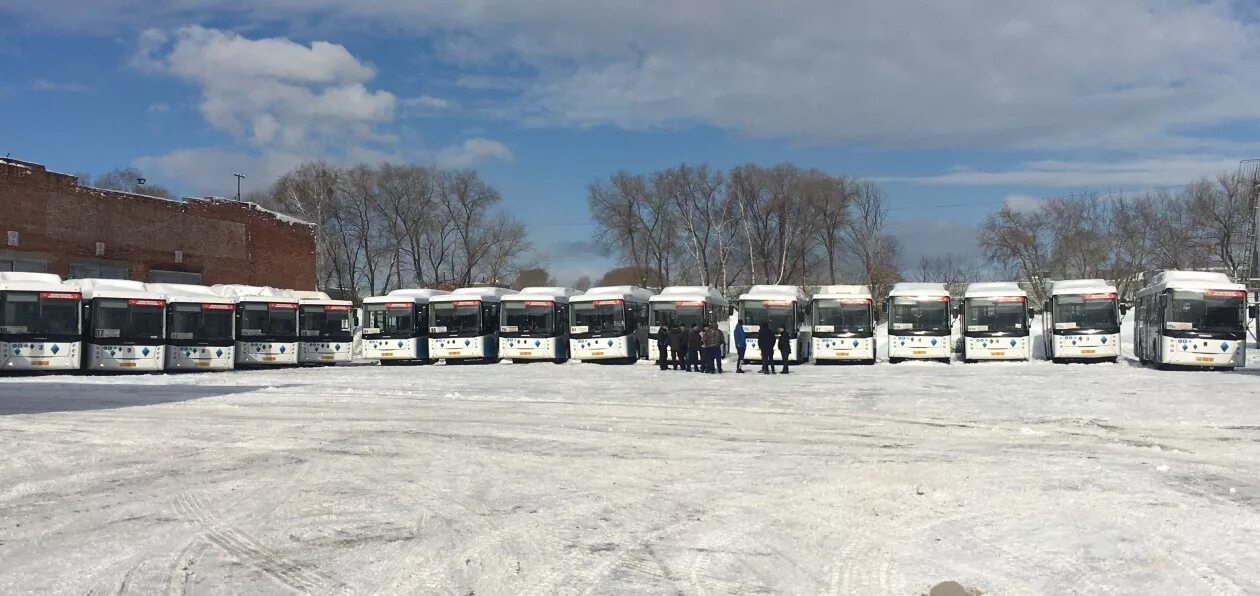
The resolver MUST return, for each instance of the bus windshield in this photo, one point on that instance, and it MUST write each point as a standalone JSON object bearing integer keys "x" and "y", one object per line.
{"x": 326, "y": 321}
{"x": 912, "y": 314}
{"x": 40, "y": 314}
{"x": 1087, "y": 311}
{"x": 600, "y": 316}
{"x": 1213, "y": 310}
{"x": 261, "y": 320}
{"x": 389, "y": 319}
{"x": 119, "y": 319}
{"x": 1005, "y": 314}
{"x": 772, "y": 312}
{"x": 672, "y": 314}
{"x": 528, "y": 317}
{"x": 455, "y": 317}
{"x": 205, "y": 322}
{"x": 843, "y": 316}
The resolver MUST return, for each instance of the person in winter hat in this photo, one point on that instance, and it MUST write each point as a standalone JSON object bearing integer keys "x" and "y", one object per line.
{"x": 694, "y": 343}
{"x": 741, "y": 345}
{"x": 678, "y": 345}
{"x": 785, "y": 347}
{"x": 765, "y": 343}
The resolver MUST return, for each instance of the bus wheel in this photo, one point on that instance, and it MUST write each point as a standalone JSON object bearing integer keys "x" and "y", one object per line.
{"x": 1058, "y": 360}
{"x": 892, "y": 360}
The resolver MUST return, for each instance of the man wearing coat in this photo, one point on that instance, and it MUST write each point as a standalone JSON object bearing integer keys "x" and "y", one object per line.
{"x": 785, "y": 347}
{"x": 678, "y": 345}
{"x": 741, "y": 344}
{"x": 765, "y": 343}
{"x": 694, "y": 343}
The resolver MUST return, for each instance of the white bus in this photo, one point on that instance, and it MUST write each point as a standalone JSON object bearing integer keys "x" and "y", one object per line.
{"x": 124, "y": 325}
{"x": 920, "y": 323}
{"x": 396, "y": 326}
{"x": 1191, "y": 318}
{"x": 686, "y": 306}
{"x": 776, "y": 306}
{"x": 844, "y": 324}
{"x": 1081, "y": 321}
{"x": 200, "y": 327}
{"x": 464, "y": 325}
{"x": 996, "y": 322}
{"x": 609, "y": 324}
{"x": 325, "y": 329}
{"x": 40, "y": 323}
{"x": 266, "y": 325}
{"x": 534, "y": 324}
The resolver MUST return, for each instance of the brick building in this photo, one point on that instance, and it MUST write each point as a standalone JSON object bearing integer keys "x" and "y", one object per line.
{"x": 48, "y": 223}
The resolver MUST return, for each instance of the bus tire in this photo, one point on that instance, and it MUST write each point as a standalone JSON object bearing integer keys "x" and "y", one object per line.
{"x": 892, "y": 360}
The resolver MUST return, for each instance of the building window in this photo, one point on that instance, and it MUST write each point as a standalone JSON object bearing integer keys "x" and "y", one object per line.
{"x": 25, "y": 265}
{"x": 159, "y": 276}
{"x": 82, "y": 270}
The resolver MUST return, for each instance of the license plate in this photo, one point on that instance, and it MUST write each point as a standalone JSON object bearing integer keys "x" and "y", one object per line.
{"x": 387, "y": 354}
{"x": 126, "y": 365}
{"x": 325, "y": 357}
{"x": 268, "y": 358}
{"x": 453, "y": 353}
{"x": 1203, "y": 359}
{"x": 201, "y": 364}
{"x": 997, "y": 353}
{"x": 842, "y": 354}
{"x": 597, "y": 353}
{"x": 527, "y": 353}
{"x": 1088, "y": 351}
{"x": 39, "y": 363}
{"x": 919, "y": 352}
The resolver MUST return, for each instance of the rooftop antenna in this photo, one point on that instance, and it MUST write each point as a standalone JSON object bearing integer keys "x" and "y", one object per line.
{"x": 239, "y": 177}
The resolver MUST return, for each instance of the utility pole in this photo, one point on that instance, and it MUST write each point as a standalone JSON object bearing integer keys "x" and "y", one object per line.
{"x": 239, "y": 177}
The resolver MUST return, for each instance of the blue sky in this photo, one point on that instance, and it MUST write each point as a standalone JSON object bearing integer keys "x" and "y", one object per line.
{"x": 962, "y": 105}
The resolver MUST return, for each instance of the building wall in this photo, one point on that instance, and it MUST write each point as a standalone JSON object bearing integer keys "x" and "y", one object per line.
{"x": 60, "y": 222}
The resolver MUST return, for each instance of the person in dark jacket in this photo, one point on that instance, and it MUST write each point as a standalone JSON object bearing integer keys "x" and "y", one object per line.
{"x": 785, "y": 347}
{"x": 765, "y": 343}
{"x": 662, "y": 348}
{"x": 712, "y": 339}
{"x": 741, "y": 344}
{"x": 677, "y": 345}
{"x": 694, "y": 343}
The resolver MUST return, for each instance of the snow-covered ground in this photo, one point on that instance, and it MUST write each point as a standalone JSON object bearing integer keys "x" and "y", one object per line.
{"x": 1013, "y": 478}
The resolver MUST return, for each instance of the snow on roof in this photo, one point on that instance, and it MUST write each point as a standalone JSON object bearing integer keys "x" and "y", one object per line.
{"x": 113, "y": 288}
{"x": 482, "y": 294}
{"x": 414, "y": 295}
{"x": 188, "y": 293}
{"x": 21, "y": 276}
{"x": 627, "y": 293}
{"x": 690, "y": 294}
{"x": 1194, "y": 281}
{"x": 18, "y": 281}
{"x": 774, "y": 293}
{"x": 918, "y": 289}
{"x": 289, "y": 219}
{"x": 831, "y": 292}
{"x": 1081, "y": 286}
{"x": 244, "y": 293}
{"x": 994, "y": 289}
{"x": 554, "y": 294}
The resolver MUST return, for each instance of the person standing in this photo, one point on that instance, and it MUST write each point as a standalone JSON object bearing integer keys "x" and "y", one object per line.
{"x": 662, "y": 347}
{"x": 785, "y": 347}
{"x": 712, "y": 338}
{"x": 765, "y": 343}
{"x": 677, "y": 345}
{"x": 741, "y": 344}
{"x": 719, "y": 351}
{"x": 694, "y": 343}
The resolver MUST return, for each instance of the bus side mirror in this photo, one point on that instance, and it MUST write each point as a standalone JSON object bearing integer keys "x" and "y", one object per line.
{"x": 1253, "y": 311}
{"x": 1032, "y": 313}
{"x": 1124, "y": 309}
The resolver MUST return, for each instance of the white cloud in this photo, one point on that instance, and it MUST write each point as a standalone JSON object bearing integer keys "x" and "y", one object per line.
{"x": 1021, "y": 203}
{"x": 276, "y": 93}
{"x": 428, "y": 103}
{"x": 45, "y": 85}
{"x": 471, "y": 152}
{"x": 208, "y": 171}
{"x": 160, "y": 107}
{"x": 1138, "y": 173}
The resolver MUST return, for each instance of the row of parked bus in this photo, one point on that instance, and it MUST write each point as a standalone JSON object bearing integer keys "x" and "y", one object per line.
{"x": 1182, "y": 318}
{"x": 121, "y": 325}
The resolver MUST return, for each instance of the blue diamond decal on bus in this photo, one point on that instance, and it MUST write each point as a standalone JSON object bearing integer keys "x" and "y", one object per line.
{"x": 933, "y": 341}
{"x": 145, "y": 351}
{"x": 219, "y": 352}
{"x": 54, "y": 349}
{"x": 400, "y": 344}
{"x": 537, "y": 343}
{"x": 1224, "y": 346}
{"x": 337, "y": 347}
{"x": 610, "y": 343}
{"x": 1074, "y": 342}
{"x": 1013, "y": 343}
{"x": 1104, "y": 339}
{"x": 467, "y": 342}
{"x": 17, "y": 351}
{"x": 281, "y": 349}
